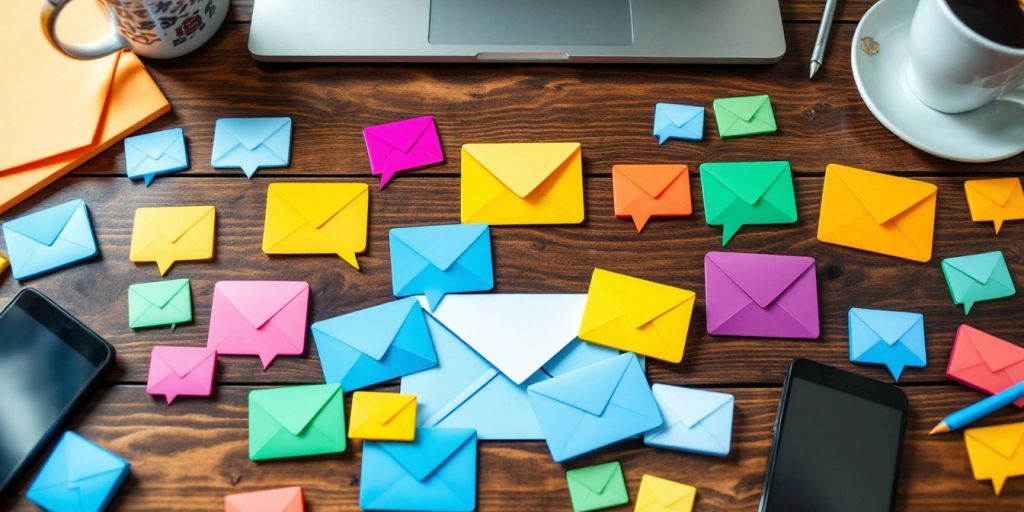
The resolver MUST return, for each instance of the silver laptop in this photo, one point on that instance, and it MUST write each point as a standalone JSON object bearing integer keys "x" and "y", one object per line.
{"x": 668, "y": 31}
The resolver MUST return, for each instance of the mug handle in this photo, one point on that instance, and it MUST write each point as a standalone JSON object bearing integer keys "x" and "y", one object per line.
{"x": 101, "y": 47}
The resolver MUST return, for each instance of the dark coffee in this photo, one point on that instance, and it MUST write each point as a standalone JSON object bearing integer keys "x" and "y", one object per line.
{"x": 1001, "y": 21}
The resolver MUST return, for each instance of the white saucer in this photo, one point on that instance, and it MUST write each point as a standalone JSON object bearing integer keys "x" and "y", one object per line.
{"x": 993, "y": 132}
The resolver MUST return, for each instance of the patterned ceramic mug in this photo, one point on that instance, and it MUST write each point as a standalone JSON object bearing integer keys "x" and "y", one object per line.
{"x": 161, "y": 29}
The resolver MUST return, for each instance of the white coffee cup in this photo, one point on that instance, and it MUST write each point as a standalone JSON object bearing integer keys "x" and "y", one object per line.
{"x": 954, "y": 69}
{"x": 159, "y": 29}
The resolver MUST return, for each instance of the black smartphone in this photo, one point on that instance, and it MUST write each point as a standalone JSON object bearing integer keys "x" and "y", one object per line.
{"x": 836, "y": 442}
{"x": 49, "y": 362}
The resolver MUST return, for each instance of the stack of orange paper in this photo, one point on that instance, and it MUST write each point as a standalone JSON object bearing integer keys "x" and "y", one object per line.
{"x": 59, "y": 112}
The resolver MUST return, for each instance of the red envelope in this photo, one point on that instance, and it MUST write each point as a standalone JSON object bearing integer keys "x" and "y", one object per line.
{"x": 645, "y": 191}
{"x": 985, "y": 362}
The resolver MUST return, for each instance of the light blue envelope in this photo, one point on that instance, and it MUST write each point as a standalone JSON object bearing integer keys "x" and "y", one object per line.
{"x": 595, "y": 406}
{"x": 49, "y": 239}
{"x": 696, "y": 421}
{"x": 892, "y": 338}
{"x": 374, "y": 345}
{"x": 155, "y": 153}
{"x": 683, "y": 122}
{"x": 79, "y": 476}
{"x": 978, "y": 277}
{"x": 250, "y": 143}
{"x": 436, "y": 472}
{"x": 435, "y": 260}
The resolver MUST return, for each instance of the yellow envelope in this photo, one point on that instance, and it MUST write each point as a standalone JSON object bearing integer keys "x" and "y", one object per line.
{"x": 382, "y": 416}
{"x": 540, "y": 183}
{"x": 660, "y": 495}
{"x": 3, "y": 262}
{"x": 635, "y": 315}
{"x": 171, "y": 234}
{"x": 996, "y": 452}
{"x": 878, "y": 213}
{"x": 995, "y": 200}
{"x": 317, "y": 218}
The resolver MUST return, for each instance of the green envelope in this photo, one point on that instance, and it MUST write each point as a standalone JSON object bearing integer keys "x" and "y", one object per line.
{"x": 978, "y": 277}
{"x": 159, "y": 303}
{"x": 296, "y": 421}
{"x": 744, "y": 116}
{"x": 742, "y": 193}
{"x": 597, "y": 487}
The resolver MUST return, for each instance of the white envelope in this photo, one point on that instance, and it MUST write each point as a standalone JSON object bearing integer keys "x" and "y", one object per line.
{"x": 696, "y": 420}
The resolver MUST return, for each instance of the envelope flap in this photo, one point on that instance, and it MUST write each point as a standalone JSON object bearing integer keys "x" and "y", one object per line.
{"x": 295, "y": 407}
{"x": 259, "y": 301}
{"x": 431, "y": 449}
{"x": 652, "y": 179}
{"x": 441, "y": 245}
{"x": 745, "y": 107}
{"x": 253, "y": 131}
{"x": 750, "y": 187}
{"x": 889, "y": 326}
{"x": 173, "y": 222}
{"x": 160, "y": 293}
{"x": 382, "y": 407}
{"x": 641, "y": 300}
{"x": 320, "y": 202}
{"x": 691, "y": 406}
{"x": 182, "y": 360}
{"x": 1003, "y": 439}
{"x": 522, "y": 167}
{"x": 84, "y": 460}
{"x": 155, "y": 144}
{"x": 669, "y": 493}
{"x": 45, "y": 226}
{"x": 768, "y": 279}
{"x": 996, "y": 353}
{"x": 978, "y": 266}
{"x": 882, "y": 195}
{"x": 996, "y": 190}
{"x": 595, "y": 478}
{"x": 680, "y": 114}
{"x": 589, "y": 388}
{"x": 402, "y": 135}
{"x": 371, "y": 330}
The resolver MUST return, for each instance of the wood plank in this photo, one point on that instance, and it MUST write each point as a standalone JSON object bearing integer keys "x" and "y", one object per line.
{"x": 538, "y": 259}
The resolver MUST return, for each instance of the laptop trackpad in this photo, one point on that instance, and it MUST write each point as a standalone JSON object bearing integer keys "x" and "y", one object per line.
{"x": 531, "y": 22}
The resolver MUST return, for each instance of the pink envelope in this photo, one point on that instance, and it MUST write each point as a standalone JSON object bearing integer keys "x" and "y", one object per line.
{"x": 401, "y": 146}
{"x": 761, "y": 295}
{"x": 181, "y": 371}
{"x": 264, "y": 318}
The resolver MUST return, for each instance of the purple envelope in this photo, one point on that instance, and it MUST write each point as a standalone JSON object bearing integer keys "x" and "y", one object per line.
{"x": 401, "y": 146}
{"x": 761, "y": 295}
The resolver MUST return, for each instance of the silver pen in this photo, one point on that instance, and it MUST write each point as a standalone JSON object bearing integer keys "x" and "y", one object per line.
{"x": 818, "y": 54}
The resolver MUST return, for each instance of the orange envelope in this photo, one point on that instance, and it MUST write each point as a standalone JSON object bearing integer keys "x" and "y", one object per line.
{"x": 996, "y": 200}
{"x": 285, "y": 499}
{"x": 645, "y": 191}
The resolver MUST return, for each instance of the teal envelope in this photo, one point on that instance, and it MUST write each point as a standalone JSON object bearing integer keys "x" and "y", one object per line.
{"x": 296, "y": 421}
{"x": 747, "y": 193}
{"x": 159, "y": 303}
{"x": 978, "y": 277}
{"x": 744, "y": 116}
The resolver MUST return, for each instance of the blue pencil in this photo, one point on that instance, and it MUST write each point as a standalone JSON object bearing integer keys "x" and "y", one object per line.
{"x": 980, "y": 409}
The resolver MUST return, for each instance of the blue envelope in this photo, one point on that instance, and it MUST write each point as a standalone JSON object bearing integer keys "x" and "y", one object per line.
{"x": 683, "y": 122}
{"x": 978, "y": 277}
{"x": 49, "y": 239}
{"x": 250, "y": 143}
{"x": 696, "y": 421}
{"x": 79, "y": 476}
{"x": 435, "y": 260}
{"x": 436, "y": 472}
{"x": 374, "y": 345}
{"x": 892, "y": 338}
{"x": 155, "y": 153}
{"x": 595, "y": 406}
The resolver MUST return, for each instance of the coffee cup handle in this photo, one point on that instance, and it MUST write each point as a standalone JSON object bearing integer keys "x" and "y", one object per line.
{"x": 101, "y": 47}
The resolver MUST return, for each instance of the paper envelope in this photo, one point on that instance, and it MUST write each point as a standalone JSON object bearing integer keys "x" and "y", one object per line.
{"x": 181, "y": 371}
{"x": 636, "y": 315}
{"x": 171, "y": 234}
{"x": 682, "y": 122}
{"x": 747, "y": 193}
{"x": 296, "y": 421}
{"x": 891, "y": 338}
{"x": 762, "y": 295}
{"x": 533, "y": 183}
{"x": 595, "y": 406}
{"x": 744, "y": 116}
{"x": 645, "y": 191}
{"x": 436, "y": 472}
{"x": 978, "y": 277}
{"x": 285, "y": 499}
{"x": 985, "y": 362}
{"x": 437, "y": 260}
{"x": 78, "y": 476}
{"x": 402, "y": 146}
{"x": 877, "y": 213}
{"x": 995, "y": 200}
{"x": 696, "y": 421}
{"x": 660, "y": 495}
{"x": 374, "y": 345}
{"x": 159, "y": 303}
{"x": 996, "y": 453}
{"x": 50, "y": 239}
{"x": 259, "y": 318}
{"x": 382, "y": 416}
{"x": 250, "y": 143}
{"x": 317, "y": 218}
{"x": 597, "y": 487}
{"x": 151, "y": 154}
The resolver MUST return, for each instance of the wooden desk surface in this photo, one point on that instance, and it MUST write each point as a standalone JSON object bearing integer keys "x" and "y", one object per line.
{"x": 188, "y": 456}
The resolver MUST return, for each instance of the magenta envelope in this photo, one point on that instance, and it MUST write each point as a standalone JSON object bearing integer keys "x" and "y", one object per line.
{"x": 761, "y": 295}
{"x": 401, "y": 146}
{"x": 259, "y": 318}
{"x": 181, "y": 371}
